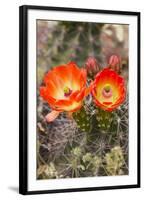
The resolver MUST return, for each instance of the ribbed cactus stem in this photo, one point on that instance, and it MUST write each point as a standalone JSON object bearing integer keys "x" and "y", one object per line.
{"x": 104, "y": 119}
{"x": 83, "y": 120}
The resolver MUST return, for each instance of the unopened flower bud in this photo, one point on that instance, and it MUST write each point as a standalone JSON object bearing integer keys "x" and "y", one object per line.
{"x": 92, "y": 66}
{"x": 114, "y": 63}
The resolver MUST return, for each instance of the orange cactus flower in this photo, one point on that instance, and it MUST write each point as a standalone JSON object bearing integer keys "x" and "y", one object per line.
{"x": 64, "y": 89}
{"x": 108, "y": 89}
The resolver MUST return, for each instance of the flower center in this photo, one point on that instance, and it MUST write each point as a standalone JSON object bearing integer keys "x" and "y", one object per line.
{"x": 107, "y": 91}
{"x": 67, "y": 91}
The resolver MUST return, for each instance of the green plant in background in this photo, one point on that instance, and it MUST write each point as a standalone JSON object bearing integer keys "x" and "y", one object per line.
{"x": 114, "y": 161}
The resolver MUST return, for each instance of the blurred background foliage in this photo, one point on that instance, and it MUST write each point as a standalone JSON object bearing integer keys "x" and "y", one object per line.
{"x": 62, "y": 42}
{"x": 62, "y": 148}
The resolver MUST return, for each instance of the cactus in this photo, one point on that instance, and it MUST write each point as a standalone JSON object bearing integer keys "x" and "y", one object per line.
{"x": 83, "y": 120}
{"x": 93, "y": 142}
{"x": 114, "y": 161}
{"x": 104, "y": 120}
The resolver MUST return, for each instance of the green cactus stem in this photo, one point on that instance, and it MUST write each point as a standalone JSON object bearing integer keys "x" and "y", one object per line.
{"x": 104, "y": 120}
{"x": 83, "y": 120}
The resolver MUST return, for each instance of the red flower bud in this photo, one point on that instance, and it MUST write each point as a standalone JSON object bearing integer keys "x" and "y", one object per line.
{"x": 114, "y": 63}
{"x": 91, "y": 66}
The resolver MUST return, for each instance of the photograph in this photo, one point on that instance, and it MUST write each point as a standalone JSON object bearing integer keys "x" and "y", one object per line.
{"x": 82, "y": 99}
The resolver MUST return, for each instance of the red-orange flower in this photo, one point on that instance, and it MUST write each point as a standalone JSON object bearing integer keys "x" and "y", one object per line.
{"x": 108, "y": 89}
{"x": 64, "y": 90}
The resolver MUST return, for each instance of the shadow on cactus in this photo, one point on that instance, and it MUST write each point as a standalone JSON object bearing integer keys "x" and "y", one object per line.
{"x": 82, "y": 105}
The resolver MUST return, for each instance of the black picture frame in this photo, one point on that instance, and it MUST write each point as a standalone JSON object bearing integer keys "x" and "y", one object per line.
{"x": 23, "y": 95}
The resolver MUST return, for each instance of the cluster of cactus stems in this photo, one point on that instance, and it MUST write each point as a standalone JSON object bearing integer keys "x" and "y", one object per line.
{"x": 94, "y": 141}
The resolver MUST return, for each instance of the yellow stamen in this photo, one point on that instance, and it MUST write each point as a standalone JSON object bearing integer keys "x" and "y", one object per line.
{"x": 107, "y": 88}
{"x": 67, "y": 91}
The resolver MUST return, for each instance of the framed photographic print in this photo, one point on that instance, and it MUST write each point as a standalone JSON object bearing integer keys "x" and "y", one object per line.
{"x": 79, "y": 99}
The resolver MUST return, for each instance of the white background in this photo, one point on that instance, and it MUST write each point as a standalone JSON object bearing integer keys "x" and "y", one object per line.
{"x": 9, "y": 98}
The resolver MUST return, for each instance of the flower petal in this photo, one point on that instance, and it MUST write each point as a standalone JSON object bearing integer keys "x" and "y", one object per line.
{"x": 81, "y": 95}
{"x": 52, "y": 116}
